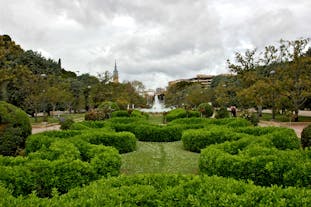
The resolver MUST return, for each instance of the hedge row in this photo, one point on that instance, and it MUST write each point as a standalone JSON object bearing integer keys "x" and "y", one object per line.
{"x": 168, "y": 190}
{"x": 181, "y": 113}
{"x": 58, "y": 166}
{"x": 229, "y": 122}
{"x": 262, "y": 159}
{"x": 196, "y": 139}
{"x": 123, "y": 142}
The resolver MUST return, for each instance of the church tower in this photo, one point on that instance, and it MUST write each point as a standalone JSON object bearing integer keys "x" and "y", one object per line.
{"x": 115, "y": 75}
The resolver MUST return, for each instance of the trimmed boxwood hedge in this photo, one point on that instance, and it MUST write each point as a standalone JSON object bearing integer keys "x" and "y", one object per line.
{"x": 196, "y": 139}
{"x": 156, "y": 133}
{"x": 122, "y": 141}
{"x": 273, "y": 158}
{"x": 181, "y": 113}
{"x": 168, "y": 190}
{"x": 56, "y": 167}
{"x": 15, "y": 127}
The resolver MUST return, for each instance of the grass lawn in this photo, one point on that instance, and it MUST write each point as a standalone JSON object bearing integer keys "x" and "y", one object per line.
{"x": 283, "y": 118}
{"x": 155, "y": 118}
{"x": 155, "y": 157}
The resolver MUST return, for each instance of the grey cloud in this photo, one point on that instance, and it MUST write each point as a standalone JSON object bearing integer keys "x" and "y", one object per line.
{"x": 166, "y": 39}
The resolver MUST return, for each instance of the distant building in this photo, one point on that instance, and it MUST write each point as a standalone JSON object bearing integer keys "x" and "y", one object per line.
{"x": 115, "y": 75}
{"x": 204, "y": 80}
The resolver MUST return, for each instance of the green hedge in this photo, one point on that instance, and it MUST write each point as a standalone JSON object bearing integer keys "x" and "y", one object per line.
{"x": 52, "y": 168}
{"x": 230, "y": 122}
{"x": 123, "y": 141}
{"x": 120, "y": 113}
{"x": 168, "y": 190}
{"x": 181, "y": 113}
{"x": 156, "y": 133}
{"x": 14, "y": 129}
{"x": 261, "y": 159}
{"x": 196, "y": 139}
{"x": 87, "y": 125}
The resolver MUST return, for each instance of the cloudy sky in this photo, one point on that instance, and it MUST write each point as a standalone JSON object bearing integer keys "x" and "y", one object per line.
{"x": 154, "y": 41}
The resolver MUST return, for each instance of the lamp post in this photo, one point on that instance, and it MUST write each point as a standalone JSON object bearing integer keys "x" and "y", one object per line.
{"x": 272, "y": 72}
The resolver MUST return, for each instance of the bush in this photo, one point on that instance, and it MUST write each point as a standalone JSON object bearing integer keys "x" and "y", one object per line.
{"x": 15, "y": 127}
{"x": 94, "y": 115}
{"x": 120, "y": 113}
{"x": 66, "y": 124}
{"x": 155, "y": 133}
{"x": 306, "y": 137}
{"x": 206, "y": 109}
{"x": 59, "y": 165}
{"x": 123, "y": 141}
{"x": 139, "y": 114}
{"x": 222, "y": 113}
{"x": 252, "y": 117}
{"x": 196, "y": 139}
{"x": 168, "y": 190}
{"x": 181, "y": 113}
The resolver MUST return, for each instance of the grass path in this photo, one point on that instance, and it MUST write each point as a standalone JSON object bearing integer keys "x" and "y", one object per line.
{"x": 154, "y": 157}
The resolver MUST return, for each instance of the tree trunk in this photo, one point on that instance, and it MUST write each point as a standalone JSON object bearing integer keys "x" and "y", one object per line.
{"x": 259, "y": 111}
{"x": 296, "y": 115}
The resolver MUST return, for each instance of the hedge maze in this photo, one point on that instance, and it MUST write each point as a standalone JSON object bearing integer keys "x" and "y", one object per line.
{"x": 240, "y": 165}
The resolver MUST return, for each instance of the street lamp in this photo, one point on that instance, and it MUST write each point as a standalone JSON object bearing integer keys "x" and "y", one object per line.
{"x": 272, "y": 72}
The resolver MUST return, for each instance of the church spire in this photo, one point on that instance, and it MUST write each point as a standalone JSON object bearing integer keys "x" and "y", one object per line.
{"x": 115, "y": 76}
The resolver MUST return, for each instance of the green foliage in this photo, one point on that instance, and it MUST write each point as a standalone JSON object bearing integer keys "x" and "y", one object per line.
{"x": 206, "y": 109}
{"x": 14, "y": 129}
{"x": 169, "y": 190}
{"x": 222, "y": 113}
{"x": 154, "y": 133}
{"x": 136, "y": 113}
{"x": 196, "y": 139}
{"x": 181, "y": 113}
{"x": 66, "y": 124}
{"x": 120, "y": 113}
{"x": 60, "y": 161}
{"x": 306, "y": 137}
{"x": 265, "y": 156}
{"x": 252, "y": 117}
{"x": 122, "y": 141}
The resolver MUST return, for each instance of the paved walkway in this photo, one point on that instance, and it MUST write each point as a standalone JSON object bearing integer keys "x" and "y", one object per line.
{"x": 297, "y": 126}
{"x": 44, "y": 127}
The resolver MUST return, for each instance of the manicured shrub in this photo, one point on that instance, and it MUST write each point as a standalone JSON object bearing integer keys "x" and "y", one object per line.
{"x": 59, "y": 167}
{"x": 306, "y": 137}
{"x": 206, "y": 109}
{"x": 284, "y": 139}
{"x": 15, "y": 127}
{"x": 139, "y": 114}
{"x": 93, "y": 124}
{"x": 123, "y": 141}
{"x": 176, "y": 114}
{"x": 257, "y": 158}
{"x": 120, "y": 113}
{"x": 196, "y": 139}
{"x": 222, "y": 113}
{"x": 155, "y": 133}
{"x": 181, "y": 113}
{"x": 66, "y": 124}
{"x": 168, "y": 190}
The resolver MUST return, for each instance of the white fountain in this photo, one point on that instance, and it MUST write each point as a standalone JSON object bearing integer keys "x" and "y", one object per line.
{"x": 157, "y": 107}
